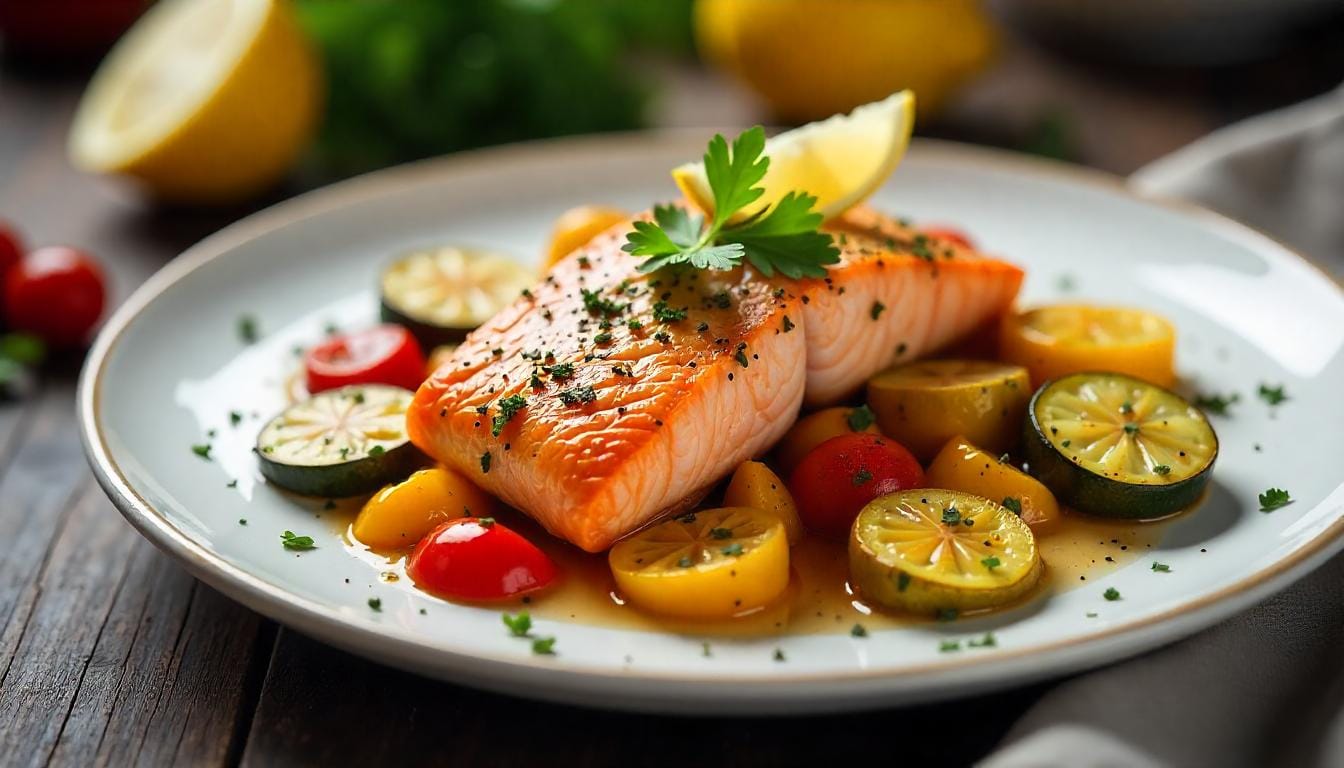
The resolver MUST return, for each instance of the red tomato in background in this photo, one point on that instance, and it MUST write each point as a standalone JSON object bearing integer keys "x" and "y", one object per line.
{"x": 11, "y": 249}
{"x": 950, "y": 234}
{"x": 55, "y": 293}
{"x": 386, "y": 354}
{"x": 837, "y": 478}
{"x": 474, "y": 558}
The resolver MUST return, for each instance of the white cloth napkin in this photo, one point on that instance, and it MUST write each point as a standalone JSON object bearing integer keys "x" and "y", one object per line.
{"x": 1265, "y": 688}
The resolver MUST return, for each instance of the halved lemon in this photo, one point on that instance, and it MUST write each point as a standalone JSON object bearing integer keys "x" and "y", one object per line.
{"x": 1061, "y": 339}
{"x": 925, "y": 404}
{"x": 203, "y": 100}
{"x": 840, "y": 160}
{"x": 711, "y": 564}
{"x": 933, "y": 551}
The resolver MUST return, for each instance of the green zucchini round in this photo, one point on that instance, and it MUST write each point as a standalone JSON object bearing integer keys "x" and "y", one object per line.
{"x": 442, "y": 294}
{"x": 1111, "y": 445}
{"x": 343, "y": 442}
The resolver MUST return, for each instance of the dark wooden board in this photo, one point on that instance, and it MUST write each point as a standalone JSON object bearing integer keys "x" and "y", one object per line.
{"x": 321, "y": 706}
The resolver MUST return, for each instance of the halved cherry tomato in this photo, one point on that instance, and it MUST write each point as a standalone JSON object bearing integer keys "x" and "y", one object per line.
{"x": 476, "y": 558}
{"x": 950, "y": 234}
{"x": 386, "y": 354}
{"x": 837, "y": 478}
{"x": 55, "y": 293}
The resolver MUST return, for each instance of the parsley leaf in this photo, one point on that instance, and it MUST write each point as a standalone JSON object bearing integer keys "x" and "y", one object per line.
{"x": 783, "y": 238}
{"x": 1216, "y": 404}
{"x": 544, "y": 646}
{"x": 291, "y": 541}
{"x": 861, "y": 418}
{"x": 1274, "y": 498}
{"x": 508, "y": 408}
{"x": 518, "y": 625}
{"x": 1272, "y": 395}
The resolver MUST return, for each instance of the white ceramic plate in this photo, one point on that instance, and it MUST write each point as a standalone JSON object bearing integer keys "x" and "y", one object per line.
{"x": 170, "y": 366}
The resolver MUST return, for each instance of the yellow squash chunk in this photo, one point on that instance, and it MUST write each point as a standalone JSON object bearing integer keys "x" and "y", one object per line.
{"x": 401, "y": 515}
{"x": 816, "y": 428}
{"x": 712, "y": 564}
{"x": 961, "y": 466}
{"x": 754, "y": 485}
{"x": 1057, "y": 340}
{"x": 575, "y": 227}
{"x": 923, "y": 405}
{"x": 938, "y": 552}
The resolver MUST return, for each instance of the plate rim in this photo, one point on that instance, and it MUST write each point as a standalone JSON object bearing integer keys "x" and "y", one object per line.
{"x": 395, "y": 645}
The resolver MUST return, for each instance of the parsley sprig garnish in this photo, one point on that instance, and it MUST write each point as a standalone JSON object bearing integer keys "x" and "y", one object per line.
{"x": 782, "y": 238}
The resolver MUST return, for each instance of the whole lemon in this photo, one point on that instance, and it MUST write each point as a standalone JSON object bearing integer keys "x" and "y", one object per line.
{"x": 813, "y": 58}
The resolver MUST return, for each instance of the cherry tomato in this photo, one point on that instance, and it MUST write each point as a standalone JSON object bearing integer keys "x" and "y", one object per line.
{"x": 475, "y": 558}
{"x": 386, "y": 354}
{"x": 55, "y": 293}
{"x": 11, "y": 248}
{"x": 950, "y": 234}
{"x": 837, "y": 478}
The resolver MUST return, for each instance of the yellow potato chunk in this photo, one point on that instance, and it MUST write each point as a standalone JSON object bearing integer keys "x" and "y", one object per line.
{"x": 754, "y": 485}
{"x": 961, "y": 466}
{"x": 400, "y": 515}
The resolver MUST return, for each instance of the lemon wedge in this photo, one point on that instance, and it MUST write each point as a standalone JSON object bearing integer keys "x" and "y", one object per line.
{"x": 202, "y": 101}
{"x": 840, "y": 160}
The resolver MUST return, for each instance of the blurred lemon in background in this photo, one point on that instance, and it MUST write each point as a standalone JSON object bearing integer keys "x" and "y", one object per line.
{"x": 202, "y": 100}
{"x": 813, "y": 58}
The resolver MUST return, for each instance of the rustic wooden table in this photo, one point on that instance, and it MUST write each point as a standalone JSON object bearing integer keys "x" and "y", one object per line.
{"x": 111, "y": 654}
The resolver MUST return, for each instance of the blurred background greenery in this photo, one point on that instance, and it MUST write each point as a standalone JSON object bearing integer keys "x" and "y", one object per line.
{"x": 1106, "y": 84}
{"x": 415, "y": 78}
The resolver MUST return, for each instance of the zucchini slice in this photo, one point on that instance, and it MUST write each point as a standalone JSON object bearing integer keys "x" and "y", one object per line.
{"x": 343, "y": 442}
{"x": 442, "y": 294}
{"x": 1114, "y": 446}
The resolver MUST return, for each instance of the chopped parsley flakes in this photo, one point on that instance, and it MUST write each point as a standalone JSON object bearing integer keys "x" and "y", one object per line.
{"x": 544, "y": 646}
{"x": 202, "y": 450}
{"x": 1272, "y": 395}
{"x": 861, "y": 477}
{"x": 1161, "y": 567}
{"x": 508, "y": 408}
{"x": 247, "y": 329}
{"x": 485, "y": 462}
{"x": 876, "y": 310}
{"x": 1274, "y": 498}
{"x": 991, "y": 562}
{"x": 860, "y": 418}
{"x": 1111, "y": 594}
{"x": 578, "y": 395}
{"x": 376, "y": 604}
{"x": 1216, "y": 404}
{"x": 518, "y": 625}
{"x": 291, "y": 541}
{"x": 1013, "y": 505}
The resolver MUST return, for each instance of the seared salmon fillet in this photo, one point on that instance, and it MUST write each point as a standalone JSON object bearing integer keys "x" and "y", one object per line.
{"x": 602, "y": 397}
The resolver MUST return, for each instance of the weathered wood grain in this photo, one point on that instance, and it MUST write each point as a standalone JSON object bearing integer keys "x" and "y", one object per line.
{"x": 321, "y": 706}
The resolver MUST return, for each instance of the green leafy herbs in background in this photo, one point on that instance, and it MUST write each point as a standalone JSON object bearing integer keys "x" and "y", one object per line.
{"x": 415, "y": 78}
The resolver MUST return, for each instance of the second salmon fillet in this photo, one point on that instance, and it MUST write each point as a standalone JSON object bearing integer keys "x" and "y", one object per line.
{"x": 603, "y": 398}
